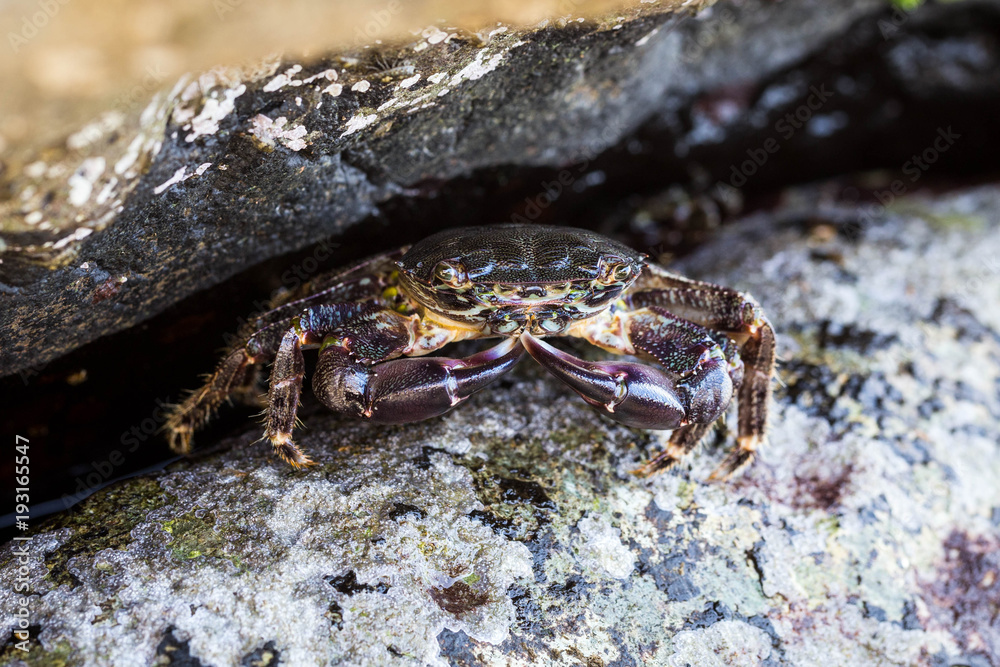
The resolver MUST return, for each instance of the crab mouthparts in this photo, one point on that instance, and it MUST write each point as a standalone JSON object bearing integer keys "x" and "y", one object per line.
{"x": 533, "y": 294}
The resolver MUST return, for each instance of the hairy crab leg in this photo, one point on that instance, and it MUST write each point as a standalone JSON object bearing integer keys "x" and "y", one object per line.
{"x": 331, "y": 290}
{"x": 682, "y": 442}
{"x": 703, "y": 366}
{"x": 759, "y": 356}
{"x": 727, "y": 310}
{"x": 235, "y": 377}
{"x": 409, "y": 389}
{"x": 364, "y": 331}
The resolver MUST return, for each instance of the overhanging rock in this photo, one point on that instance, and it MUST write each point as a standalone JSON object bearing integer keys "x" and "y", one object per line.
{"x": 233, "y": 167}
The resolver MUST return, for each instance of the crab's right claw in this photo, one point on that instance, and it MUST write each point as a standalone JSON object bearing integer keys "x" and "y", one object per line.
{"x": 633, "y": 394}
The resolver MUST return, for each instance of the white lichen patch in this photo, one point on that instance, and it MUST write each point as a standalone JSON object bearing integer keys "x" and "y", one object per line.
{"x": 482, "y": 64}
{"x": 648, "y": 36}
{"x": 284, "y": 79}
{"x": 434, "y": 35}
{"x": 600, "y": 549}
{"x": 214, "y": 108}
{"x": 81, "y": 183}
{"x": 724, "y": 644}
{"x": 272, "y": 132}
{"x": 388, "y": 104}
{"x": 358, "y": 122}
{"x": 327, "y": 74}
{"x": 78, "y": 234}
{"x": 181, "y": 175}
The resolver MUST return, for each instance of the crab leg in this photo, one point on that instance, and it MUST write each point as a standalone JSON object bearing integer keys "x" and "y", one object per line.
{"x": 235, "y": 377}
{"x": 409, "y": 389}
{"x": 368, "y": 280}
{"x": 380, "y": 333}
{"x": 682, "y": 442}
{"x": 728, "y": 310}
{"x": 759, "y": 355}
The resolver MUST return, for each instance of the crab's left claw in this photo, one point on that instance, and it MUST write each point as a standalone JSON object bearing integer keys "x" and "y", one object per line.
{"x": 633, "y": 394}
{"x": 408, "y": 389}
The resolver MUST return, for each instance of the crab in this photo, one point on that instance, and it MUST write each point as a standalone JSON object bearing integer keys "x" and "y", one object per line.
{"x": 374, "y": 322}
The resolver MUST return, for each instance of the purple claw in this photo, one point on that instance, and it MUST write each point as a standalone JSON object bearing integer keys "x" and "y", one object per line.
{"x": 412, "y": 388}
{"x": 633, "y": 394}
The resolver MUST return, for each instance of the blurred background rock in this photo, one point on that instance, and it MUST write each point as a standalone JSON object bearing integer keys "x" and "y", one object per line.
{"x": 66, "y": 61}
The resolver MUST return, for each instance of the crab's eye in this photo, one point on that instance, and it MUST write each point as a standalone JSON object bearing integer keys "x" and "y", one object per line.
{"x": 622, "y": 272}
{"x": 615, "y": 272}
{"x": 451, "y": 274}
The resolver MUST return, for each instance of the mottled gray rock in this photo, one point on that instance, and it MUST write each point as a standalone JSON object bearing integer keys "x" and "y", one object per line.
{"x": 511, "y": 531}
{"x": 233, "y": 167}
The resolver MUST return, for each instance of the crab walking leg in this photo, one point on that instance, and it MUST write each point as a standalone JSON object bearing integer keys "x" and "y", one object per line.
{"x": 682, "y": 442}
{"x": 235, "y": 377}
{"x": 283, "y": 399}
{"x": 723, "y": 309}
{"x": 362, "y": 331}
{"x": 363, "y": 287}
{"x": 649, "y": 330}
{"x": 633, "y": 394}
{"x": 755, "y": 393}
{"x": 410, "y": 389}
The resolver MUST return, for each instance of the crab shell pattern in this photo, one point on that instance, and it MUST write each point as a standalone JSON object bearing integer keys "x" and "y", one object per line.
{"x": 373, "y": 324}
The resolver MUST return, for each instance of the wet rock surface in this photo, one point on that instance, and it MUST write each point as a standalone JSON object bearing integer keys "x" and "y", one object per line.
{"x": 511, "y": 529}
